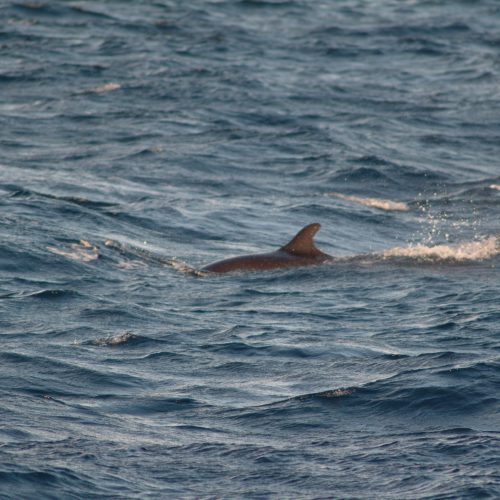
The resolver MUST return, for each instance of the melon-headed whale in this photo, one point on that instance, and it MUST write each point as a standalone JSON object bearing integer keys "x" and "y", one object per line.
{"x": 299, "y": 252}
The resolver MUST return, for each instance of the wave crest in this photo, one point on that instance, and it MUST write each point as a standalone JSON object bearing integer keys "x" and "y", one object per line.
{"x": 379, "y": 203}
{"x": 462, "y": 252}
{"x": 113, "y": 340}
{"x": 107, "y": 87}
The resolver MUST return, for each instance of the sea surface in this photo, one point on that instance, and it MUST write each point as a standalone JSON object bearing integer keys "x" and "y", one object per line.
{"x": 140, "y": 141}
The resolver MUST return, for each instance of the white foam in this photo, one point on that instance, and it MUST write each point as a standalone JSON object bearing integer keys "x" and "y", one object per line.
{"x": 337, "y": 393}
{"x": 108, "y": 87}
{"x": 495, "y": 186}
{"x": 131, "y": 264}
{"x": 381, "y": 204}
{"x": 83, "y": 251}
{"x": 184, "y": 268}
{"x": 144, "y": 255}
{"x": 462, "y": 252}
{"x": 121, "y": 338}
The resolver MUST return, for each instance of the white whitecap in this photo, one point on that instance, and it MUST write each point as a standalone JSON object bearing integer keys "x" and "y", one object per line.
{"x": 107, "y": 87}
{"x": 381, "y": 204}
{"x": 121, "y": 338}
{"x": 461, "y": 252}
{"x": 82, "y": 251}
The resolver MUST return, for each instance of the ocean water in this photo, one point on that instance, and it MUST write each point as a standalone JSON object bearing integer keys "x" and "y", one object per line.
{"x": 140, "y": 141}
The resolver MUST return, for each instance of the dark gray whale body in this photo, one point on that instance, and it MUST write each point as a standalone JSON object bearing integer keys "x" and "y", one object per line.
{"x": 299, "y": 252}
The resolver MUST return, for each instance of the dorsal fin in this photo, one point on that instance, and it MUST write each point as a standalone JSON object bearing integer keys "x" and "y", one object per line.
{"x": 302, "y": 243}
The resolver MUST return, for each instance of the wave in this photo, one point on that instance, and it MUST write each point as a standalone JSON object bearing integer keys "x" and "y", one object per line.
{"x": 151, "y": 404}
{"x": 16, "y": 191}
{"x": 331, "y": 393}
{"x": 381, "y": 204}
{"x": 62, "y": 378}
{"x": 453, "y": 388}
{"x": 127, "y": 339}
{"x": 461, "y": 252}
{"x": 53, "y": 294}
{"x": 382, "y": 172}
{"x": 114, "y": 340}
{"x": 460, "y": 388}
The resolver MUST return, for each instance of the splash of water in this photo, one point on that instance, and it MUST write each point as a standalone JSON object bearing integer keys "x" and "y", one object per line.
{"x": 438, "y": 224}
{"x": 461, "y": 252}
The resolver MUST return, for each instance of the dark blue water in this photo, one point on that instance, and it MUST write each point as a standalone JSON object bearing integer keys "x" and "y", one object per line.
{"x": 142, "y": 140}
